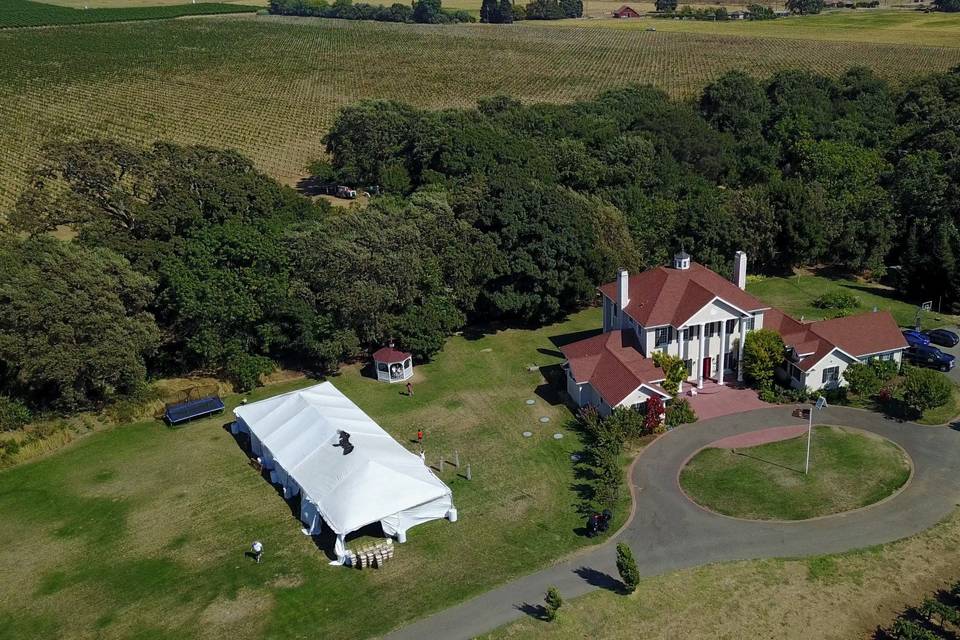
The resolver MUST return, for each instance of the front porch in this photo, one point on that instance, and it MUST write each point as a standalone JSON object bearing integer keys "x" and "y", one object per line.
{"x": 716, "y": 400}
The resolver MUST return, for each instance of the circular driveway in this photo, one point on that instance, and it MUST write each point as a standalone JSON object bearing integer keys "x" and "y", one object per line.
{"x": 670, "y": 532}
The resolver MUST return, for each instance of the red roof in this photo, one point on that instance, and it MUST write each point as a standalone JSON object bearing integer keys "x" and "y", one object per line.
{"x": 624, "y": 10}
{"x": 860, "y": 335}
{"x": 389, "y": 354}
{"x": 663, "y": 296}
{"x": 612, "y": 364}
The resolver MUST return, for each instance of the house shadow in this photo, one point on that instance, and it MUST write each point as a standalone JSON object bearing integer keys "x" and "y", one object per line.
{"x": 564, "y": 339}
{"x": 599, "y": 579}
{"x": 550, "y": 390}
{"x": 535, "y": 611}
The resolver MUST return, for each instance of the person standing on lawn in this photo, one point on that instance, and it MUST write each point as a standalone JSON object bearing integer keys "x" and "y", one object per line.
{"x": 257, "y": 548}
{"x": 409, "y": 389}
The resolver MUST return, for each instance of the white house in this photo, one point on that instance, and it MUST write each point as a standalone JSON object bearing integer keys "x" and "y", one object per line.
{"x": 694, "y": 313}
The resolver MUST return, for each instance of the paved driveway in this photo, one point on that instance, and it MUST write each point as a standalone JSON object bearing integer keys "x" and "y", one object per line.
{"x": 669, "y": 532}
{"x": 955, "y": 372}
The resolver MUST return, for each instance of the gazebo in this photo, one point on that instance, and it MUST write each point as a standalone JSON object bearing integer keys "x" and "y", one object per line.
{"x": 393, "y": 365}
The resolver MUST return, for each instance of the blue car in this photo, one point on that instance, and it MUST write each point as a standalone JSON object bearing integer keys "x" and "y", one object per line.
{"x": 944, "y": 337}
{"x": 916, "y": 338}
{"x": 927, "y": 356}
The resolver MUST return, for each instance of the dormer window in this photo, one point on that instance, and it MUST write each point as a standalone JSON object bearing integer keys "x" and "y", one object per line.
{"x": 681, "y": 261}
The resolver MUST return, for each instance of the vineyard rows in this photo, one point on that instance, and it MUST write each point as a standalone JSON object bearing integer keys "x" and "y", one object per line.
{"x": 23, "y": 13}
{"x": 271, "y": 87}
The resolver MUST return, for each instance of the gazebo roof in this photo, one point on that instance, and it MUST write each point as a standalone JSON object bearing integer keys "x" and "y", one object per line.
{"x": 389, "y": 354}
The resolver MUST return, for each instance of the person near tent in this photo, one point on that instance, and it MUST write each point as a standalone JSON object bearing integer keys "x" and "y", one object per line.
{"x": 257, "y": 548}
{"x": 409, "y": 389}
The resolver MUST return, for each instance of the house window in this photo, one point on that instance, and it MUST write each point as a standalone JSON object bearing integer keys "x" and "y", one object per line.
{"x": 692, "y": 333}
{"x": 731, "y": 325}
{"x": 713, "y": 329}
{"x": 382, "y": 366}
{"x": 689, "y": 365}
{"x": 748, "y": 324}
{"x": 662, "y": 336}
{"x": 728, "y": 360}
{"x": 831, "y": 374}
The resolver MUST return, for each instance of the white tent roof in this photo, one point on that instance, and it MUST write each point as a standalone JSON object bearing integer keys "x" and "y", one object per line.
{"x": 378, "y": 479}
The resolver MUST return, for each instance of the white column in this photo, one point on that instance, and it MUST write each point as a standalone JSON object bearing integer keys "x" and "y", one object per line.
{"x": 700, "y": 359}
{"x": 723, "y": 350}
{"x": 743, "y": 338}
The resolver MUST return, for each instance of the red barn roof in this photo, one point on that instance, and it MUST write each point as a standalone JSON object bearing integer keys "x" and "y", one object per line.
{"x": 389, "y": 354}
{"x": 626, "y": 12}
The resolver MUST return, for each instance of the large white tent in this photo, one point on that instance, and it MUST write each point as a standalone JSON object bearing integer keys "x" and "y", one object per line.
{"x": 297, "y": 436}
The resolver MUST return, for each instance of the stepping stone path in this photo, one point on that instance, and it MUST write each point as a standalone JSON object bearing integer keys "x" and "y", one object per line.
{"x": 558, "y": 436}
{"x": 527, "y": 434}
{"x": 531, "y": 401}
{"x": 544, "y": 419}
{"x": 575, "y": 457}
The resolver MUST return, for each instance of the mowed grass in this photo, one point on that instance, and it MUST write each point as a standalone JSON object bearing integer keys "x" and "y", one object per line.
{"x": 834, "y": 597}
{"x": 139, "y": 532}
{"x": 795, "y": 296}
{"x": 270, "y": 86}
{"x": 26, "y": 13}
{"x": 848, "y": 469}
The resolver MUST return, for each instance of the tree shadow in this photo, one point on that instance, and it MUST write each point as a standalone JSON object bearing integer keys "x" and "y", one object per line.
{"x": 564, "y": 339}
{"x": 599, "y": 579}
{"x": 313, "y": 186}
{"x": 535, "y": 611}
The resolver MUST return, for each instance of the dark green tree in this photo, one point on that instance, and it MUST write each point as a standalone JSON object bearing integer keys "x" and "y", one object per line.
{"x": 74, "y": 330}
{"x": 427, "y": 11}
{"x": 805, "y": 7}
{"x": 666, "y": 6}
{"x": 505, "y": 12}
{"x": 627, "y": 568}
{"x": 489, "y": 12}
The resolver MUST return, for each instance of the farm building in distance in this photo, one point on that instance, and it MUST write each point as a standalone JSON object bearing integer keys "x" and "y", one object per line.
{"x": 626, "y": 12}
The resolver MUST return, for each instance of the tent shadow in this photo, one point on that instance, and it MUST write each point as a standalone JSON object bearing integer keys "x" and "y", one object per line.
{"x": 326, "y": 539}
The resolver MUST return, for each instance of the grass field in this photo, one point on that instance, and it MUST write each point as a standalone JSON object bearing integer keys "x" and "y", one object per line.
{"x": 139, "y": 532}
{"x": 890, "y": 26}
{"x": 836, "y": 597}
{"x": 795, "y": 295}
{"x": 25, "y": 13}
{"x": 848, "y": 470}
{"x": 270, "y": 87}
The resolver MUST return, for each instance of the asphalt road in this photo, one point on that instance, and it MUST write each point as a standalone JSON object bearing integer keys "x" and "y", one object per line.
{"x": 669, "y": 532}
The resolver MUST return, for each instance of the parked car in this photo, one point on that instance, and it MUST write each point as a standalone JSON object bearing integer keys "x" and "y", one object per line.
{"x": 943, "y": 337}
{"x": 927, "y": 356}
{"x": 346, "y": 192}
{"x": 916, "y": 338}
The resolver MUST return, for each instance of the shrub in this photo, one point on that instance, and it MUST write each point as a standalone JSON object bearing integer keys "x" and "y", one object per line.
{"x": 627, "y": 567}
{"x": 553, "y": 601}
{"x": 862, "y": 379}
{"x": 674, "y": 370}
{"x": 680, "y": 412}
{"x": 762, "y": 353}
{"x": 651, "y": 422}
{"x": 13, "y": 414}
{"x": 925, "y": 389}
{"x": 838, "y": 299}
{"x": 760, "y": 12}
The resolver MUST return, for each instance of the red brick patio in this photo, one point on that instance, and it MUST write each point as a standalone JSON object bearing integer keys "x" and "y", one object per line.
{"x": 720, "y": 400}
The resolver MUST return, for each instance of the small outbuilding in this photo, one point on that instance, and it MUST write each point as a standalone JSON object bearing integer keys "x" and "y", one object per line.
{"x": 626, "y": 12}
{"x": 393, "y": 365}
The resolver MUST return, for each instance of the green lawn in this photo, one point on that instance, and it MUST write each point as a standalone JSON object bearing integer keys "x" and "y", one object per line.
{"x": 795, "y": 295}
{"x": 945, "y": 413}
{"x": 139, "y": 531}
{"x": 848, "y": 469}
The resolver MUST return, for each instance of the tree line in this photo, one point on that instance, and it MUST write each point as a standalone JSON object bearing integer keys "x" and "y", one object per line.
{"x": 187, "y": 259}
{"x": 419, "y": 11}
